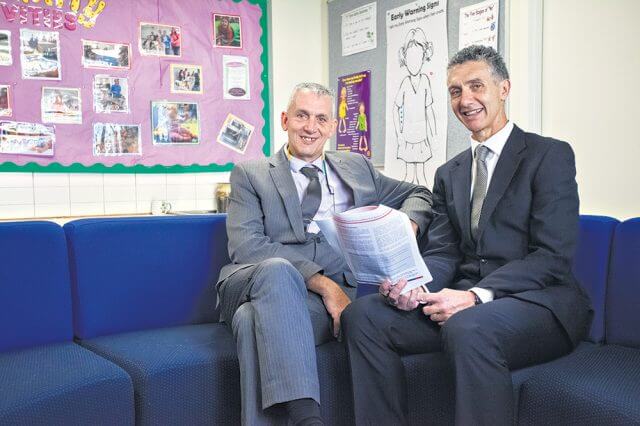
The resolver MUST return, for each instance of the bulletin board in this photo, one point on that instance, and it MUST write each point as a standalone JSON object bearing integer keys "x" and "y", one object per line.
{"x": 121, "y": 86}
{"x": 375, "y": 61}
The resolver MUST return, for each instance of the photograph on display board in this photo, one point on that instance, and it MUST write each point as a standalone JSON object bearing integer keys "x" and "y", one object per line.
{"x": 100, "y": 54}
{"x": 116, "y": 139}
{"x": 235, "y": 133}
{"x": 235, "y": 77}
{"x": 5, "y": 48}
{"x": 40, "y": 54}
{"x": 159, "y": 40}
{"x": 61, "y": 105}
{"x": 186, "y": 78}
{"x": 26, "y": 138}
{"x": 227, "y": 31}
{"x": 175, "y": 123}
{"x": 110, "y": 94}
{"x": 5, "y": 100}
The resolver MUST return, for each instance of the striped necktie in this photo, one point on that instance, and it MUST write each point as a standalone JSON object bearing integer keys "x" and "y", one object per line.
{"x": 479, "y": 188}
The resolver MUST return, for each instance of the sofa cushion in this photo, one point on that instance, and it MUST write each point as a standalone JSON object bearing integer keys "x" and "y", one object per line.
{"x": 181, "y": 375}
{"x": 591, "y": 265}
{"x": 35, "y": 293}
{"x": 336, "y": 399}
{"x": 623, "y": 292}
{"x": 600, "y": 386}
{"x": 132, "y": 274}
{"x": 63, "y": 384}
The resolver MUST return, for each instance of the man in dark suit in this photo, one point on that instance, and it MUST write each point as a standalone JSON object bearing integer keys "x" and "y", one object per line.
{"x": 286, "y": 287}
{"x": 499, "y": 248}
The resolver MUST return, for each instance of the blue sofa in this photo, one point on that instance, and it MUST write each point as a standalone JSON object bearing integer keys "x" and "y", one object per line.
{"x": 137, "y": 295}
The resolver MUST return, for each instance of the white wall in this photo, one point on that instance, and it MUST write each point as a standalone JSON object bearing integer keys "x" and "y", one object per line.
{"x": 591, "y": 97}
{"x": 590, "y": 94}
{"x": 299, "y": 53}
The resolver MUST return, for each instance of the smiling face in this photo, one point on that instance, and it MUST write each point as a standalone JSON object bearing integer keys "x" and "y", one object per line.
{"x": 477, "y": 98}
{"x": 309, "y": 123}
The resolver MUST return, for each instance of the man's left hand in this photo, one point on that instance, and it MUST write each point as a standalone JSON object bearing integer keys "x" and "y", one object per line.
{"x": 440, "y": 306}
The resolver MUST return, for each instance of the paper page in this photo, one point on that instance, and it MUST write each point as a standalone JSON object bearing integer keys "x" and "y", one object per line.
{"x": 379, "y": 243}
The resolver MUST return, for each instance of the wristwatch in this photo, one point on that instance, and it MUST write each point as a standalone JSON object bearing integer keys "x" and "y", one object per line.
{"x": 478, "y": 301}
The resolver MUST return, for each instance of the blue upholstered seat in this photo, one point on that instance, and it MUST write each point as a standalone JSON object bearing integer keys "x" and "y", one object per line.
{"x": 63, "y": 384}
{"x": 600, "y": 386}
{"x": 144, "y": 298}
{"x": 182, "y": 375}
{"x": 45, "y": 378}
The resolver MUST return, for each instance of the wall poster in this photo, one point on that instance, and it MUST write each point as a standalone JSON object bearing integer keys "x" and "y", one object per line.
{"x": 416, "y": 104}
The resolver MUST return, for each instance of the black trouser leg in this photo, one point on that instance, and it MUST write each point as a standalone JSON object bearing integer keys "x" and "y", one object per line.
{"x": 375, "y": 333}
{"x": 485, "y": 342}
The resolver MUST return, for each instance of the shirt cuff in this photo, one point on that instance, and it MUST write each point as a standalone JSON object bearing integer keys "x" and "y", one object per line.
{"x": 484, "y": 294}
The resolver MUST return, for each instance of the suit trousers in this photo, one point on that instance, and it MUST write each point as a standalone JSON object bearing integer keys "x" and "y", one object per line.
{"x": 482, "y": 343}
{"x": 276, "y": 330}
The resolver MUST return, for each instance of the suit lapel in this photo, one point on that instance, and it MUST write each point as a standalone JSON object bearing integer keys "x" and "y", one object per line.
{"x": 344, "y": 172}
{"x": 502, "y": 175}
{"x": 281, "y": 174}
{"x": 461, "y": 189}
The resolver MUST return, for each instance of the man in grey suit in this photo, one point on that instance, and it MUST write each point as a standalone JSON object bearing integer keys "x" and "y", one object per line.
{"x": 286, "y": 288}
{"x": 500, "y": 250}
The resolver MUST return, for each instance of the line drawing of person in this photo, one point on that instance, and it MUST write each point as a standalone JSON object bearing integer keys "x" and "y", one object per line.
{"x": 361, "y": 126}
{"x": 413, "y": 117}
{"x": 342, "y": 110}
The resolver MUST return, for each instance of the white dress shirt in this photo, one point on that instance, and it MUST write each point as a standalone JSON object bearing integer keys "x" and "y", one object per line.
{"x": 495, "y": 144}
{"x": 336, "y": 195}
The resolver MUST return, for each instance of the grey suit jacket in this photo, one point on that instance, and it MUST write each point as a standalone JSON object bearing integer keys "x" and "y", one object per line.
{"x": 265, "y": 219}
{"x": 527, "y": 232}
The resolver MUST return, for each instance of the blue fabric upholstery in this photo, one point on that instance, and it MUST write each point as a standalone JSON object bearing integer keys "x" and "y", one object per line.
{"x": 35, "y": 297}
{"x": 591, "y": 265}
{"x": 182, "y": 375}
{"x": 335, "y": 384}
{"x": 595, "y": 387}
{"x": 63, "y": 384}
{"x": 623, "y": 292}
{"x": 130, "y": 274}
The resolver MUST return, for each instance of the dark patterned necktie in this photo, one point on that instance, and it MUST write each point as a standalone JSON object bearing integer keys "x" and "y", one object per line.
{"x": 479, "y": 188}
{"x": 313, "y": 196}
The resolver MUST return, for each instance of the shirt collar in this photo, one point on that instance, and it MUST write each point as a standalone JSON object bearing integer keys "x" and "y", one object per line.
{"x": 296, "y": 164}
{"x": 496, "y": 142}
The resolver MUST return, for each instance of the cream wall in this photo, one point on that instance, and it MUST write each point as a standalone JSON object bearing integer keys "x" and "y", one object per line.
{"x": 298, "y": 52}
{"x": 589, "y": 92}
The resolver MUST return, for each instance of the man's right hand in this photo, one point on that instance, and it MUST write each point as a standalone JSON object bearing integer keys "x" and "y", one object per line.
{"x": 405, "y": 302}
{"x": 333, "y": 297}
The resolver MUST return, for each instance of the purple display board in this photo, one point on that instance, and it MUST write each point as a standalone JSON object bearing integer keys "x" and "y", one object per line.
{"x": 354, "y": 129}
{"x": 139, "y": 43}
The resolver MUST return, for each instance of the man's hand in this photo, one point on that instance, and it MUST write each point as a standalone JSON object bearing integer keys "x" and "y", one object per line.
{"x": 440, "y": 306}
{"x": 405, "y": 302}
{"x": 333, "y": 297}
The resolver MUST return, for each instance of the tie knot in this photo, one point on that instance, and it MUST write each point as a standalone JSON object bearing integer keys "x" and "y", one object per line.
{"x": 311, "y": 172}
{"x": 482, "y": 152}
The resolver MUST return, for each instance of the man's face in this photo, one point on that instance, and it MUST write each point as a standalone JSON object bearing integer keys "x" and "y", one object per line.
{"x": 477, "y": 99}
{"x": 309, "y": 123}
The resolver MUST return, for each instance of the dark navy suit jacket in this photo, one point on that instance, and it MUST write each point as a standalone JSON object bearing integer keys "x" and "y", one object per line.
{"x": 527, "y": 231}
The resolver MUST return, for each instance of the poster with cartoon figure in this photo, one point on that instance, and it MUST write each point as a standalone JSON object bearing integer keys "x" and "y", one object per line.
{"x": 354, "y": 91}
{"x": 416, "y": 101}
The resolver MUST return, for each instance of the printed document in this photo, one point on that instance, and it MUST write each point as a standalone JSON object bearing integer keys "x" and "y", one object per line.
{"x": 378, "y": 243}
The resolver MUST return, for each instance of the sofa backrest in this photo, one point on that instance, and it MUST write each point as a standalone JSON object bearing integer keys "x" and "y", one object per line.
{"x": 35, "y": 293}
{"x": 623, "y": 292}
{"x": 138, "y": 273}
{"x": 591, "y": 265}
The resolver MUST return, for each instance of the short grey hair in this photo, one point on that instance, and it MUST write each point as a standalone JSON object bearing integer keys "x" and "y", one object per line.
{"x": 316, "y": 88}
{"x": 481, "y": 53}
